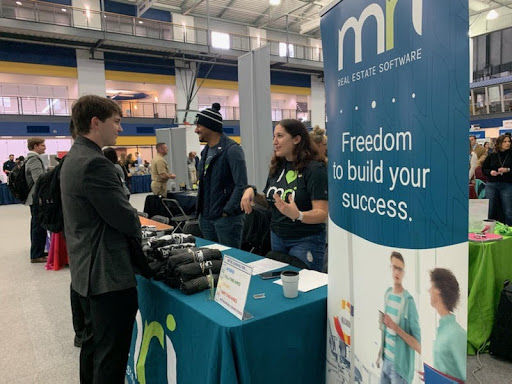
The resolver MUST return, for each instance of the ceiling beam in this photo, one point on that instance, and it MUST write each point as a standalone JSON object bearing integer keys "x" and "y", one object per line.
{"x": 264, "y": 14}
{"x": 191, "y": 8}
{"x": 228, "y": 5}
{"x": 306, "y": 4}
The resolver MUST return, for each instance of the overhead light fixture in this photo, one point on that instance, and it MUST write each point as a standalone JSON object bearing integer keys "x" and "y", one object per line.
{"x": 492, "y": 15}
{"x": 19, "y": 3}
{"x": 141, "y": 22}
{"x": 63, "y": 9}
{"x": 274, "y": 2}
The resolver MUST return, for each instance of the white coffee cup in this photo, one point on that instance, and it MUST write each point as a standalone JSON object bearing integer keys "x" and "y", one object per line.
{"x": 489, "y": 225}
{"x": 290, "y": 281}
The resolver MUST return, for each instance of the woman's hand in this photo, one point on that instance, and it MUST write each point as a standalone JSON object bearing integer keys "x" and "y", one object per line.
{"x": 495, "y": 173}
{"x": 503, "y": 170}
{"x": 247, "y": 201}
{"x": 288, "y": 209}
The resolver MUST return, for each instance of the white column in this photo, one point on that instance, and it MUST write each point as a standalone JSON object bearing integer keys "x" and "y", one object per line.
{"x": 258, "y": 37}
{"x": 255, "y": 113}
{"x": 183, "y": 29}
{"x": 184, "y": 80}
{"x": 314, "y": 52}
{"x": 91, "y": 73}
{"x": 317, "y": 102}
{"x": 91, "y": 17}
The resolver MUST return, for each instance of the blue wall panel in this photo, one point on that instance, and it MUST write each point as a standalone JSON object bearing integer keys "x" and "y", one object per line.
{"x": 122, "y": 8}
{"x": 139, "y": 64}
{"x": 37, "y": 54}
{"x": 290, "y": 79}
{"x": 63, "y": 2}
{"x": 491, "y": 123}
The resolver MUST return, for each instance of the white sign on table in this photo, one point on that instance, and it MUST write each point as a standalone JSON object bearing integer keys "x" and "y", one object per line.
{"x": 233, "y": 285}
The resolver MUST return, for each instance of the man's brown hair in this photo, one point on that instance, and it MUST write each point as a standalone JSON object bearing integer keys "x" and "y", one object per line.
{"x": 90, "y": 106}
{"x": 33, "y": 141}
{"x": 397, "y": 255}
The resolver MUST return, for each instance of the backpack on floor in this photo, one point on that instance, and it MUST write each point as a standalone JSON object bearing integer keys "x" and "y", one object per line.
{"x": 47, "y": 200}
{"x": 501, "y": 336}
{"x": 18, "y": 184}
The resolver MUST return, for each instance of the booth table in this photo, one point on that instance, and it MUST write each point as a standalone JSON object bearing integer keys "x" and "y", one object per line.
{"x": 285, "y": 341}
{"x": 5, "y": 195}
{"x": 140, "y": 184}
{"x": 490, "y": 264}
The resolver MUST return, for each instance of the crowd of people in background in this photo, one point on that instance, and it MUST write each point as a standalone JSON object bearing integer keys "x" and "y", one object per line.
{"x": 491, "y": 168}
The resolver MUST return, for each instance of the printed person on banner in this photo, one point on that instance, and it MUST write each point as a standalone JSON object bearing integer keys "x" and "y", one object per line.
{"x": 400, "y": 329}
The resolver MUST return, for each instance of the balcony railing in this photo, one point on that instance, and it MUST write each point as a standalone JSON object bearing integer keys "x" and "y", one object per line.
{"x": 18, "y": 105}
{"x": 147, "y": 110}
{"x": 21, "y": 105}
{"x": 63, "y": 15}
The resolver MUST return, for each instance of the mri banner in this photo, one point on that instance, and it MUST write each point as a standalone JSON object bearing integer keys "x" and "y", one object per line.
{"x": 396, "y": 81}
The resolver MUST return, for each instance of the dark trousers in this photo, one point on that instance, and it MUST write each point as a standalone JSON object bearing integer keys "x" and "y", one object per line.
{"x": 77, "y": 314}
{"x": 107, "y": 335}
{"x": 37, "y": 236}
{"x": 224, "y": 230}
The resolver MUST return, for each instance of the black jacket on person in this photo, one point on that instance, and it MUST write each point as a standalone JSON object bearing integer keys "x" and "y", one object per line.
{"x": 222, "y": 185}
{"x": 9, "y": 165}
{"x": 495, "y": 161}
{"x": 98, "y": 220}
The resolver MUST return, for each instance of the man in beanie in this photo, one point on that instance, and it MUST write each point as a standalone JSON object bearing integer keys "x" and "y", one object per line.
{"x": 222, "y": 179}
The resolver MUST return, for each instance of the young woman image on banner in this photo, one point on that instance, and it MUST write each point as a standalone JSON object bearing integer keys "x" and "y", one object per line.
{"x": 498, "y": 190}
{"x": 296, "y": 189}
{"x": 450, "y": 342}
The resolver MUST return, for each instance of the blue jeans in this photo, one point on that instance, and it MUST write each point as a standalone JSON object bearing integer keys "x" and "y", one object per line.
{"x": 223, "y": 230}
{"x": 389, "y": 375}
{"x": 309, "y": 249}
{"x": 500, "y": 201}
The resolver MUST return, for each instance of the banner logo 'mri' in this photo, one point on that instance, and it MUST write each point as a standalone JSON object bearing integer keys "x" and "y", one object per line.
{"x": 385, "y": 27}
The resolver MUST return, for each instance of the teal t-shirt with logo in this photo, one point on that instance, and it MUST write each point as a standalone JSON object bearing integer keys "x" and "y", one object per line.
{"x": 307, "y": 185}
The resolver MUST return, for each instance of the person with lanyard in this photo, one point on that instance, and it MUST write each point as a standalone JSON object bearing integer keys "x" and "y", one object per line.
{"x": 499, "y": 186}
{"x": 222, "y": 177}
{"x": 450, "y": 342}
{"x": 297, "y": 191}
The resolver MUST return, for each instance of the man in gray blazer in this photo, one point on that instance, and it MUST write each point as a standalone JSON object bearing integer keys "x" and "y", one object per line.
{"x": 98, "y": 221}
{"x": 34, "y": 168}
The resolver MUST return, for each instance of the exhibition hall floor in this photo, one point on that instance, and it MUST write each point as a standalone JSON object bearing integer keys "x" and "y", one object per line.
{"x": 35, "y": 325}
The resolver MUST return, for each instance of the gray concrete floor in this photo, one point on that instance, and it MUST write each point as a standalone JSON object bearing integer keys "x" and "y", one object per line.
{"x": 36, "y": 334}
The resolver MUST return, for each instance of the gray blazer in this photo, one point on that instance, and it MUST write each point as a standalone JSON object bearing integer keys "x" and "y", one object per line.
{"x": 34, "y": 168}
{"x": 97, "y": 221}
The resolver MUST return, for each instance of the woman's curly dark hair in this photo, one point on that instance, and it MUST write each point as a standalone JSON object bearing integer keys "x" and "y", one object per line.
{"x": 303, "y": 151}
{"x": 446, "y": 282}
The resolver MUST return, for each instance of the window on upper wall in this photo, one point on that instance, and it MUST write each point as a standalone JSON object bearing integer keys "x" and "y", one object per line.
{"x": 220, "y": 40}
{"x": 282, "y": 50}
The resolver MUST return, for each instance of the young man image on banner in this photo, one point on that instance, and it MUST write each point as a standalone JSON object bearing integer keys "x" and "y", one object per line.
{"x": 160, "y": 171}
{"x": 34, "y": 168}
{"x": 451, "y": 339}
{"x": 401, "y": 329}
{"x": 297, "y": 191}
{"x": 99, "y": 223}
{"x": 222, "y": 177}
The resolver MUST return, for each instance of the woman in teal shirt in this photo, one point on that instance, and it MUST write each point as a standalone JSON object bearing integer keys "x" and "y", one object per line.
{"x": 451, "y": 338}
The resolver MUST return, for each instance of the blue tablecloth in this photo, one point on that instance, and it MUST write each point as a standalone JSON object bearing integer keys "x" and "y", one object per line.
{"x": 140, "y": 184}
{"x": 5, "y": 195}
{"x": 187, "y": 200}
{"x": 285, "y": 341}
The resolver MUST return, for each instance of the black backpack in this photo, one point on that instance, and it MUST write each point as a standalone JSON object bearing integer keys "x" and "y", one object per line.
{"x": 501, "y": 336}
{"x": 18, "y": 182}
{"x": 47, "y": 200}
